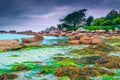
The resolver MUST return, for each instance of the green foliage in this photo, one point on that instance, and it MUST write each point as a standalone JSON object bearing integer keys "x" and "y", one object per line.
{"x": 99, "y": 27}
{"x": 74, "y": 19}
{"x": 91, "y": 27}
{"x": 72, "y": 28}
{"x": 89, "y": 20}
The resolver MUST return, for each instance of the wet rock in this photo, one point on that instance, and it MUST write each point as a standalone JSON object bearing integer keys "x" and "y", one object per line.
{"x": 6, "y": 76}
{"x": 9, "y": 44}
{"x": 109, "y": 62}
{"x": 38, "y": 36}
{"x": 29, "y": 40}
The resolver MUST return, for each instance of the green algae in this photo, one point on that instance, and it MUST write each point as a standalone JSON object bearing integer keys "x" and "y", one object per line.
{"x": 63, "y": 78}
{"x": 15, "y": 55}
{"x": 6, "y": 71}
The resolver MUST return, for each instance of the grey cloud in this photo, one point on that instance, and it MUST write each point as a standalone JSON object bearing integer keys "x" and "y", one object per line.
{"x": 48, "y": 12}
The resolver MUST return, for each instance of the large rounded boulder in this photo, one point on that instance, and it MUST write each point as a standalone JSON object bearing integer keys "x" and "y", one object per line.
{"x": 96, "y": 40}
{"x": 9, "y": 44}
{"x": 85, "y": 40}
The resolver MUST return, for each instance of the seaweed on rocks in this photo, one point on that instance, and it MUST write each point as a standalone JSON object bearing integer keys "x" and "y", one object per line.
{"x": 101, "y": 49}
{"x": 6, "y": 76}
{"x": 80, "y": 73}
{"x": 109, "y": 62}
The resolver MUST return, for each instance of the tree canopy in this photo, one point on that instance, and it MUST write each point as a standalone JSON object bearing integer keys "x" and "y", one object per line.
{"x": 75, "y": 18}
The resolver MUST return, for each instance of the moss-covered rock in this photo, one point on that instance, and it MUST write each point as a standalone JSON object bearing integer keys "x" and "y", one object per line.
{"x": 79, "y": 73}
{"x": 20, "y": 67}
{"x": 6, "y": 76}
{"x": 109, "y": 62}
{"x": 87, "y": 60}
{"x": 101, "y": 49}
{"x": 67, "y": 71}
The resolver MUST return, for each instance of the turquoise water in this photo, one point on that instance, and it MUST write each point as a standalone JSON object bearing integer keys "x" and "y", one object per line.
{"x": 14, "y": 36}
{"x": 49, "y": 40}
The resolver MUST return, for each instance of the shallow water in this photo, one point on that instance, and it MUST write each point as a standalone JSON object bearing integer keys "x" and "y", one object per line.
{"x": 43, "y": 55}
{"x": 14, "y": 36}
{"x": 49, "y": 40}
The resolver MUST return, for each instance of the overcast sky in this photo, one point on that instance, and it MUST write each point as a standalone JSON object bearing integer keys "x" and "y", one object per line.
{"x": 37, "y": 15}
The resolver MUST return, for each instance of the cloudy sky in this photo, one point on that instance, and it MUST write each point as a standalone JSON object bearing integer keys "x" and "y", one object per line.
{"x": 37, "y": 15}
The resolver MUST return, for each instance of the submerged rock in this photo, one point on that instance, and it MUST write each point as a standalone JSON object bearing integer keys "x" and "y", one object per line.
{"x": 6, "y": 76}
{"x": 109, "y": 62}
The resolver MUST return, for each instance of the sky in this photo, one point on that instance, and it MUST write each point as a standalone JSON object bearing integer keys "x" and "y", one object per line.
{"x": 37, "y": 15}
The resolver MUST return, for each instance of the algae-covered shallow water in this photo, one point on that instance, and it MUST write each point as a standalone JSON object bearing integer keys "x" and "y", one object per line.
{"x": 42, "y": 61}
{"x": 43, "y": 55}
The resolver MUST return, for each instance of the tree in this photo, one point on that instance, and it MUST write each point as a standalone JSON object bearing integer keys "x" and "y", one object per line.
{"x": 74, "y": 19}
{"x": 89, "y": 20}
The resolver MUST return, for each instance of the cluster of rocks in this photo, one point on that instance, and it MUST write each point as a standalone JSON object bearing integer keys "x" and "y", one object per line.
{"x": 83, "y": 38}
{"x": 14, "y": 44}
{"x": 32, "y": 41}
{"x": 70, "y": 33}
